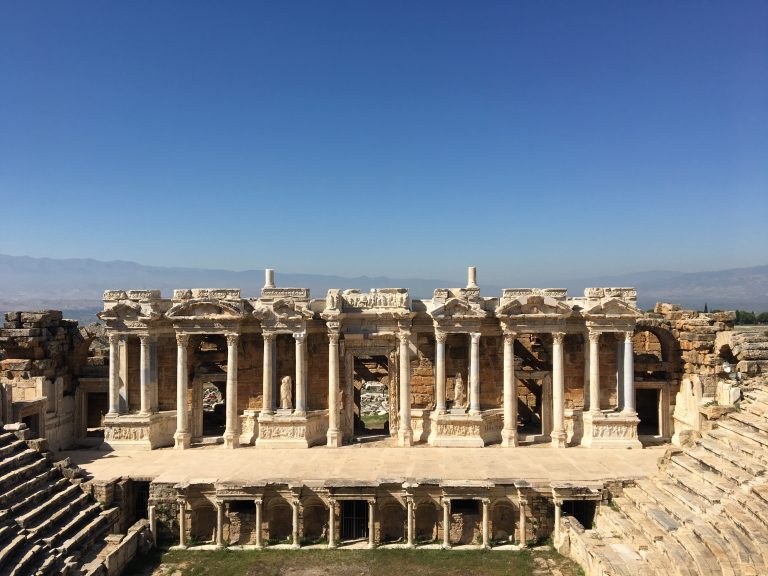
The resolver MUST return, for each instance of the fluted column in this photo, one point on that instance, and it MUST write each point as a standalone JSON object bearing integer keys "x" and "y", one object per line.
{"x": 474, "y": 374}
{"x": 629, "y": 375}
{"x": 258, "y": 503}
{"x": 231, "y": 432}
{"x": 334, "y": 434}
{"x": 331, "y": 523}
{"x": 267, "y": 402}
{"x": 181, "y": 437}
{"x": 301, "y": 373}
{"x": 145, "y": 392}
{"x": 446, "y": 523}
{"x": 486, "y": 506}
{"x": 371, "y": 524}
{"x": 219, "y": 523}
{"x": 594, "y": 372}
{"x": 404, "y": 431}
{"x": 509, "y": 431}
{"x": 440, "y": 338}
{"x": 114, "y": 375}
{"x": 558, "y": 392}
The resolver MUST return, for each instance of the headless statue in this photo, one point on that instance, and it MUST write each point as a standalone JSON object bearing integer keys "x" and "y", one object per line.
{"x": 286, "y": 398}
{"x": 459, "y": 395}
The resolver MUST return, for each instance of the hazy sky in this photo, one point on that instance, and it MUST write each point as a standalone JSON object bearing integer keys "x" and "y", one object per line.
{"x": 532, "y": 139}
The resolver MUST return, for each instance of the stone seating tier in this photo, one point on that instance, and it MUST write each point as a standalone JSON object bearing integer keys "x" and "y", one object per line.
{"x": 705, "y": 512}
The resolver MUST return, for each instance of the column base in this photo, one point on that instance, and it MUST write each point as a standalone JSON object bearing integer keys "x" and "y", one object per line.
{"x": 404, "y": 437}
{"x": 371, "y": 546}
{"x": 182, "y": 440}
{"x": 333, "y": 438}
{"x": 508, "y": 438}
{"x": 559, "y": 439}
{"x": 231, "y": 440}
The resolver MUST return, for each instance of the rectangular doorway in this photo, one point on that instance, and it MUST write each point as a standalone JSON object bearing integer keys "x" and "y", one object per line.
{"x": 647, "y": 404}
{"x": 354, "y": 520}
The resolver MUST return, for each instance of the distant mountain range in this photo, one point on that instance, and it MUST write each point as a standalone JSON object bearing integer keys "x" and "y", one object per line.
{"x": 76, "y": 285}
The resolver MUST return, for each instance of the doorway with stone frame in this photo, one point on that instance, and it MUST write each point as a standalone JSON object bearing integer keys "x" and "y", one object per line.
{"x": 208, "y": 390}
{"x": 369, "y": 394}
{"x": 533, "y": 372}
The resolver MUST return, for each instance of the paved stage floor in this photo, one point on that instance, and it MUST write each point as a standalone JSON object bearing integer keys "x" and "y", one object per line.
{"x": 538, "y": 464}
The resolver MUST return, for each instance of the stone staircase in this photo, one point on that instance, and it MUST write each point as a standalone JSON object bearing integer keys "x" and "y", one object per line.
{"x": 704, "y": 513}
{"x": 47, "y": 523}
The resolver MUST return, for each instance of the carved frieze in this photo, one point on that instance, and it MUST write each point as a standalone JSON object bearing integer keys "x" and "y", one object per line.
{"x": 377, "y": 298}
{"x": 295, "y": 293}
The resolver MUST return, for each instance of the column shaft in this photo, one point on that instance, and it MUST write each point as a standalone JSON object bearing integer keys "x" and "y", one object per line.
{"x": 220, "y": 524}
{"x": 521, "y": 523}
{"x": 486, "y": 506}
{"x": 153, "y": 402}
{"x": 404, "y": 431}
{"x": 332, "y": 523}
{"x": 629, "y": 375}
{"x": 409, "y": 522}
{"x": 620, "y": 372}
{"x": 231, "y": 430}
{"x": 440, "y": 372}
{"x": 371, "y": 524}
{"x": 301, "y": 373}
{"x": 474, "y": 373}
{"x": 144, "y": 376}
{"x": 594, "y": 372}
{"x": 334, "y": 434}
{"x": 114, "y": 375}
{"x": 259, "y": 509}
{"x": 182, "y": 523}
{"x": 509, "y": 431}
{"x": 558, "y": 515}
{"x": 295, "y": 524}
{"x": 446, "y": 523}
{"x": 181, "y": 437}
{"x": 558, "y": 391}
{"x": 267, "y": 402}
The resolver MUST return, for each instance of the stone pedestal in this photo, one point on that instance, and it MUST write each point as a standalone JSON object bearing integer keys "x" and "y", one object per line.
{"x": 139, "y": 432}
{"x": 466, "y": 430}
{"x": 610, "y": 430}
{"x": 292, "y": 431}
{"x": 249, "y": 427}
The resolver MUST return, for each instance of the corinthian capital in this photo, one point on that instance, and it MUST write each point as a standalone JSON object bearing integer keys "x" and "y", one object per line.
{"x": 232, "y": 339}
{"x": 558, "y": 337}
{"x": 594, "y": 337}
{"x": 182, "y": 339}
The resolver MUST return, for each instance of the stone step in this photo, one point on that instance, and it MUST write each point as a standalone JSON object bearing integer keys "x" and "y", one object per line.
{"x": 686, "y": 479}
{"x": 17, "y": 460}
{"x": 649, "y": 528}
{"x": 703, "y": 559}
{"x": 21, "y": 474}
{"x": 704, "y": 475}
{"x": 753, "y": 422}
{"x": 82, "y": 518}
{"x": 618, "y": 525}
{"x": 664, "y": 500}
{"x": 14, "y": 445}
{"x": 19, "y": 492}
{"x": 679, "y": 561}
{"x": 7, "y": 438}
{"x": 658, "y": 562}
{"x": 744, "y": 431}
{"x": 58, "y": 500}
{"x": 749, "y": 525}
{"x": 719, "y": 444}
{"x": 26, "y": 561}
{"x": 761, "y": 492}
{"x": 10, "y": 550}
{"x": 720, "y": 465}
{"x": 49, "y": 523}
{"x": 753, "y": 506}
{"x": 47, "y": 489}
{"x": 83, "y": 537}
{"x": 641, "y": 501}
{"x": 748, "y": 554}
{"x": 690, "y": 500}
{"x": 729, "y": 564}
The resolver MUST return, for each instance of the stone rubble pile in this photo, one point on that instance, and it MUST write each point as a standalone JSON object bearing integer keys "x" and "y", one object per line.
{"x": 374, "y": 399}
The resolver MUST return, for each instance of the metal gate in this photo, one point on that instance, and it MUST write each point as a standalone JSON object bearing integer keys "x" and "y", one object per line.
{"x": 354, "y": 519}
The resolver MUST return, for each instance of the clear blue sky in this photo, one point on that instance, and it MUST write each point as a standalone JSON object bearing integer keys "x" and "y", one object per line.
{"x": 532, "y": 139}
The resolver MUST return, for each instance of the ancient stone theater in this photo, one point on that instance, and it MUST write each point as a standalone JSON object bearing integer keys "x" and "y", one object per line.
{"x": 212, "y": 419}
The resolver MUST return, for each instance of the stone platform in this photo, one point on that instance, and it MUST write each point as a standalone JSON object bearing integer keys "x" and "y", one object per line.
{"x": 536, "y": 464}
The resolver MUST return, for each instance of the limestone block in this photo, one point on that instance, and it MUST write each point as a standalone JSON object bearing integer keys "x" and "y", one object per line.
{"x": 15, "y": 364}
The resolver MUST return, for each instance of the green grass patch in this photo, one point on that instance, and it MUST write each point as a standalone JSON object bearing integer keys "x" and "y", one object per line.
{"x": 347, "y": 563}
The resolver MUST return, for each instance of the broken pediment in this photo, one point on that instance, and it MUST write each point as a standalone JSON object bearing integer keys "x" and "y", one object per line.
{"x": 282, "y": 310}
{"x": 534, "y": 306}
{"x": 612, "y": 307}
{"x": 457, "y": 308}
{"x": 123, "y": 310}
{"x": 204, "y": 308}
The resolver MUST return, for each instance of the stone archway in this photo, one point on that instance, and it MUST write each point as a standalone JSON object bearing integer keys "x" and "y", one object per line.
{"x": 503, "y": 522}
{"x": 279, "y": 520}
{"x": 426, "y": 522}
{"x": 392, "y": 518}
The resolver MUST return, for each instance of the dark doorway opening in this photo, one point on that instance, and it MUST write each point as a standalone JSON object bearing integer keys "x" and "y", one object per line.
{"x": 33, "y": 423}
{"x": 97, "y": 404}
{"x": 647, "y": 402}
{"x": 582, "y": 510}
{"x": 354, "y": 519}
{"x": 214, "y": 405}
{"x": 141, "y": 501}
{"x": 371, "y": 396}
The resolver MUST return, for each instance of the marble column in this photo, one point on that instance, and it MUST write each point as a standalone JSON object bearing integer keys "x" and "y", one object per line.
{"x": 521, "y": 523}
{"x": 620, "y": 371}
{"x": 404, "y": 430}
{"x": 629, "y": 376}
{"x": 558, "y": 391}
{"x": 334, "y": 434}
{"x": 154, "y": 404}
{"x": 295, "y": 524}
{"x": 585, "y": 392}
{"x": 182, "y": 523}
{"x": 474, "y": 373}
{"x": 409, "y": 521}
{"x": 558, "y": 515}
{"x": 114, "y": 375}
{"x": 509, "y": 431}
{"x": 123, "y": 375}
{"x": 181, "y": 437}
{"x": 440, "y": 338}
{"x": 267, "y": 385}
{"x": 144, "y": 375}
{"x": 259, "y": 504}
{"x": 446, "y": 523}
{"x": 219, "y": 524}
{"x": 594, "y": 372}
{"x": 231, "y": 430}
{"x": 486, "y": 506}
{"x": 332, "y": 523}
{"x": 301, "y": 373}
{"x": 371, "y": 524}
